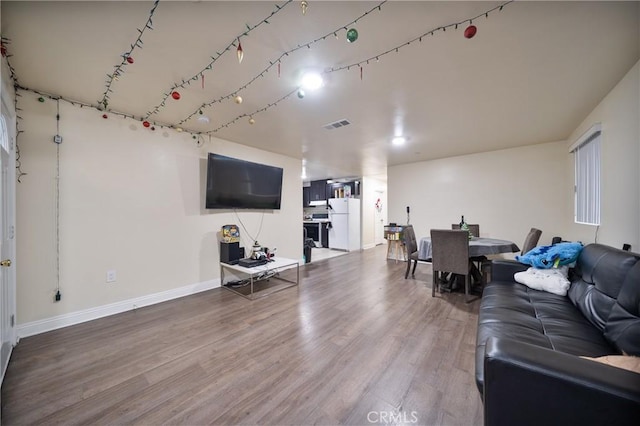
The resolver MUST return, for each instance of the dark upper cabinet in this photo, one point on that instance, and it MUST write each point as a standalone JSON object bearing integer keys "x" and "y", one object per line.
{"x": 337, "y": 190}
{"x": 318, "y": 190}
{"x": 306, "y": 196}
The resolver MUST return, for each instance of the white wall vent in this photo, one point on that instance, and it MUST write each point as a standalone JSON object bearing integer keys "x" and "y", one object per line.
{"x": 337, "y": 124}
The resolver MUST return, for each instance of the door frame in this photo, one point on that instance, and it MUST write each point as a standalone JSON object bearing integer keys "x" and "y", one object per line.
{"x": 7, "y": 224}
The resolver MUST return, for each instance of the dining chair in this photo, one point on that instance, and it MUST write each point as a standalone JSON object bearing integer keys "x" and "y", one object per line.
{"x": 474, "y": 228}
{"x": 450, "y": 253}
{"x": 530, "y": 242}
{"x": 411, "y": 248}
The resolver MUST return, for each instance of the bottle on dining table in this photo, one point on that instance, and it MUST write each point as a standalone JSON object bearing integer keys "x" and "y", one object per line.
{"x": 464, "y": 226}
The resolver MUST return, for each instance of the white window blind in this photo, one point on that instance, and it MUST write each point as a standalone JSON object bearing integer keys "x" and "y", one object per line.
{"x": 4, "y": 136}
{"x": 587, "y": 177}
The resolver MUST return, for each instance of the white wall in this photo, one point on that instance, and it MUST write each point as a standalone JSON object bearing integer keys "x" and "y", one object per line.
{"x": 619, "y": 113}
{"x": 507, "y": 192}
{"x": 132, "y": 200}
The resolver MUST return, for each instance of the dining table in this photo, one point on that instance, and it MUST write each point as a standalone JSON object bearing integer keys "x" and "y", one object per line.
{"x": 478, "y": 246}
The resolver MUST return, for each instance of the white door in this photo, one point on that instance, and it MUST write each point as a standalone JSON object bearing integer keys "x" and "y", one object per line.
{"x": 7, "y": 242}
{"x": 378, "y": 220}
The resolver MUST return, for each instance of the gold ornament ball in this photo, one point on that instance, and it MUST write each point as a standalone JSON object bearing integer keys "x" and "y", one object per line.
{"x": 238, "y": 99}
{"x": 252, "y": 121}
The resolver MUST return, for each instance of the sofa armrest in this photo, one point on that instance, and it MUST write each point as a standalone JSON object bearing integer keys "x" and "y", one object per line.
{"x": 529, "y": 385}
{"x": 503, "y": 269}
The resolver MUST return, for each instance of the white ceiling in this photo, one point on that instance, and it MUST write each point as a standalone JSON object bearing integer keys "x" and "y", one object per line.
{"x": 531, "y": 74}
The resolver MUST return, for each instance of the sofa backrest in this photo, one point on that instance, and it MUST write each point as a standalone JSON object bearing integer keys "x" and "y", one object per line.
{"x": 605, "y": 288}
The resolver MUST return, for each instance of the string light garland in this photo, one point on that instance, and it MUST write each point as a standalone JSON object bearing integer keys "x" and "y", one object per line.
{"x": 19, "y": 172}
{"x": 127, "y": 58}
{"x": 250, "y": 115}
{"x": 277, "y": 61}
{"x": 360, "y": 64}
{"x": 217, "y": 56}
{"x": 432, "y": 32}
{"x": 4, "y": 42}
{"x": 200, "y": 75}
{"x": 151, "y": 124}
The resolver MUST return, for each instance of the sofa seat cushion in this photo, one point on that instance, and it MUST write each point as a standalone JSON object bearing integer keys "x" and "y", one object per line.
{"x": 514, "y": 311}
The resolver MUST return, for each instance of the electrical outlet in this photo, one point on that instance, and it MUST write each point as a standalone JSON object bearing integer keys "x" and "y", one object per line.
{"x": 111, "y": 275}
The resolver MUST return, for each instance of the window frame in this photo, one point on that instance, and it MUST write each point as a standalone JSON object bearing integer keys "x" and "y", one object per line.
{"x": 588, "y": 177}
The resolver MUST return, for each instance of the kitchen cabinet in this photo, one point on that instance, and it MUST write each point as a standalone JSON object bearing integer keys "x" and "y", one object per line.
{"x": 306, "y": 196}
{"x": 318, "y": 190}
{"x": 324, "y": 235}
{"x": 340, "y": 190}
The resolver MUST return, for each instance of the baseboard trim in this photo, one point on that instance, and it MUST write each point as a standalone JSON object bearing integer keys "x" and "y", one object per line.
{"x": 66, "y": 320}
{"x": 369, "y": 246}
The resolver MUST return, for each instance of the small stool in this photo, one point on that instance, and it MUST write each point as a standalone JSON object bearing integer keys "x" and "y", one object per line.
{"x": 396, "y": 247}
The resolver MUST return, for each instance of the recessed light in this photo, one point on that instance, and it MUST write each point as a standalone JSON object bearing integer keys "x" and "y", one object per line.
{"x": 398, "y": 140}
{"x": 203, "y": 119}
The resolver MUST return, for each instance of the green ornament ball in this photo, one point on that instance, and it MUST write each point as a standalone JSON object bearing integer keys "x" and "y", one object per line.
{"x": 40, "y": 99}
{"x": 352, "y": 35}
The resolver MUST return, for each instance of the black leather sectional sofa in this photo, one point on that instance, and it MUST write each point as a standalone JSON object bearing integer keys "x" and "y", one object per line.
{"x": 529, "y": 342}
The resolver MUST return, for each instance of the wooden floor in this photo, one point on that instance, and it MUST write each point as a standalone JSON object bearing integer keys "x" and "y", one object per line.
{"x": 355, "y": 343}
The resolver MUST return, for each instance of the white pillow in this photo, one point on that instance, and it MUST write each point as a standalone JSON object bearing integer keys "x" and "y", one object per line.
{"x": 551, "y": 280}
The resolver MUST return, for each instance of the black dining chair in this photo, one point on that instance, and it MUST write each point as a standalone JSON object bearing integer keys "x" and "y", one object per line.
{"x": 411, "y": 247}
{"x": 530, "y": 242}
{"x": 450, "y": 253}
{"x": 474, "y": 230}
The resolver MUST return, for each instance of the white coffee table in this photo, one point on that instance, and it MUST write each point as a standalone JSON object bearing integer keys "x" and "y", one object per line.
{"x": 262, "y": 280}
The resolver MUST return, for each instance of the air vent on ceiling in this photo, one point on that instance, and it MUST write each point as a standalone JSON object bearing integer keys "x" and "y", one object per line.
{"x": 337, "y": 124}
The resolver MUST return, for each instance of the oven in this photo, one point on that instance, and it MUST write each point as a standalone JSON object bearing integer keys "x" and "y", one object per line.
{"x": 318, "y": 232}
{"x": 313, "y": 231}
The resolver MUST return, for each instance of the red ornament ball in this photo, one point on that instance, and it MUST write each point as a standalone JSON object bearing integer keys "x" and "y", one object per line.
{"x": 146, "y": 123}
{"x": 470, "y": 31}
{"x": 105, "y": 116}
{"x": 175, "y": 95}
{"x": 129, "y": 59}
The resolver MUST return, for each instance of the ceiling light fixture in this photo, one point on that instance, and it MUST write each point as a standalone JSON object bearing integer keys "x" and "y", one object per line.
{"x": 311, "y": 81}
{"x": 398, "y": 141}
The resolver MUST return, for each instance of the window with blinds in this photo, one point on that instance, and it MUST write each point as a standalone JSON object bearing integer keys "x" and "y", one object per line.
{"x": 4, "y": 136}
{"x": 587, "y": 176}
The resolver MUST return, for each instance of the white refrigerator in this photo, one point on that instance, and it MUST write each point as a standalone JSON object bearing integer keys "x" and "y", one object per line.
{"x": 344, "y": 214}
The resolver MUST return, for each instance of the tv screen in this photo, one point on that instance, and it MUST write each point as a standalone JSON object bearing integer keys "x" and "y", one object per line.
{"x": 238, "y": 184}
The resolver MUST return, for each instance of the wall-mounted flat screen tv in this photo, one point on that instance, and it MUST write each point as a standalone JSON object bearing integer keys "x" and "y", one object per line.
{"x": 238, "y": 184}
